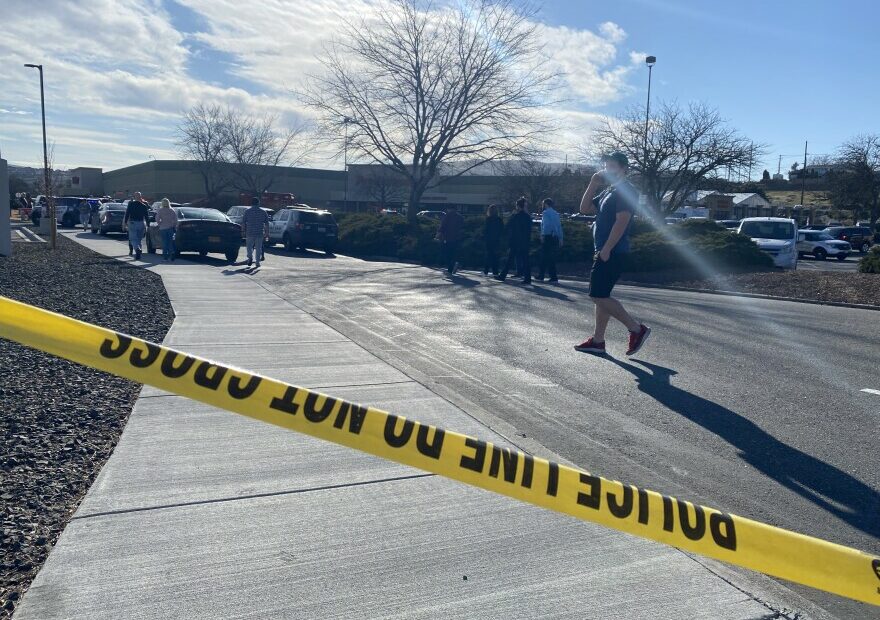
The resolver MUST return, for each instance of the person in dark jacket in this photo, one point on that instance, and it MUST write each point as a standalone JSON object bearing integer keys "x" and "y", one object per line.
{"x": 493, "y": 229}
{"x": 519, "y": 237}
{"x": 450, "y": 233}
{"x": 135, "y": 222}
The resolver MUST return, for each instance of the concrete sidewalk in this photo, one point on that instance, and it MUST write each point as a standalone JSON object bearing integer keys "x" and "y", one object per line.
{"x": 201, "y": 513}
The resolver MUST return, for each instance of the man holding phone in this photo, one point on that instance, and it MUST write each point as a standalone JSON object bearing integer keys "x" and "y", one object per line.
{"x": 614, "y": 207}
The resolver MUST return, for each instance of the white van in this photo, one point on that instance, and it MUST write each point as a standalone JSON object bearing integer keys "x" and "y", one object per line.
{"x": 777, "y": 236}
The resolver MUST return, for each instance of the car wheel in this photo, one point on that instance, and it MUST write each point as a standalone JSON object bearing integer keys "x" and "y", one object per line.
{"x": 842, "y": 257}
{"x": 102, "y": 232}
{"x": 288, "y": 244}
{"x": 232, "y": 254}
{"x": 865, "y": 247}
{"x": 820, "y": 254}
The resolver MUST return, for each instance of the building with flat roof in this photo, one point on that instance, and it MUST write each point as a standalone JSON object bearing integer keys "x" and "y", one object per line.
{"x": 368, "y": 187}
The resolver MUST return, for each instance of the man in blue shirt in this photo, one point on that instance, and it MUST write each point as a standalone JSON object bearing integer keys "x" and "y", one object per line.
{"x": 614, "y": 207}
{"x": 551, "y": 240}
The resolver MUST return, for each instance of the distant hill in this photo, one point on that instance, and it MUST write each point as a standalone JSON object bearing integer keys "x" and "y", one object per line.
{"x": 793, "y": 197}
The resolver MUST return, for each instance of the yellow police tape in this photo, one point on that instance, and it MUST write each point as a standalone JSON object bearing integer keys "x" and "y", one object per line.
{"x": 706, "y": 531}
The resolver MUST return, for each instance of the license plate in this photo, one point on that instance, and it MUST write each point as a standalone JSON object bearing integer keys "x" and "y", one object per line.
{"x": 213, "y": 239}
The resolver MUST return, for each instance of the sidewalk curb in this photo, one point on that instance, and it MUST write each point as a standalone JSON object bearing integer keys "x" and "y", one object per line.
{"x": 815, "y": 302}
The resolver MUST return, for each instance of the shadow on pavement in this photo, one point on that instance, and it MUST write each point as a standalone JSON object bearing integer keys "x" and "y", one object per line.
{"x": 825, "y": 485}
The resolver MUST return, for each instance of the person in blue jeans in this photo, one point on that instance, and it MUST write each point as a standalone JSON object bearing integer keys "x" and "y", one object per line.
{"x": 166, "y": 220}
{"x": 135, "y": 221}
{"x": 614, "y": 207}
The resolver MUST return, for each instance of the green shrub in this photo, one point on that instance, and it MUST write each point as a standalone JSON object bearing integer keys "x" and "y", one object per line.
{"x": 710, "y": 251}
{"x": 870, "y": 262}
{"x": 686, "y": 246}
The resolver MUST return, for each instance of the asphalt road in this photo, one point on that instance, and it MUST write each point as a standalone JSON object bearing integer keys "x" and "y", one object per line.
{"x": 752, "y": 406}
{"x": 851, "y": 263}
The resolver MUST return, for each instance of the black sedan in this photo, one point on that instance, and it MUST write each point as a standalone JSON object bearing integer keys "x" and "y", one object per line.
{"x": 202, "y": 231}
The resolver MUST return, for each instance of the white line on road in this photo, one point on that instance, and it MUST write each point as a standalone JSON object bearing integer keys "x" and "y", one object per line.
{"x": 870, "y": 391}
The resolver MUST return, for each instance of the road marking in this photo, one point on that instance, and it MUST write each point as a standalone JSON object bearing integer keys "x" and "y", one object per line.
{"x": 870, "y": 391}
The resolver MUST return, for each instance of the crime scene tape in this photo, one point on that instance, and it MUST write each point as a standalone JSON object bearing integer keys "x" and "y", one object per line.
{"x": 706, "y": 531}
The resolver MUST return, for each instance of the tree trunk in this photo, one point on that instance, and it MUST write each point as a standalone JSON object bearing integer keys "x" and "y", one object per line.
{"x": 415, "y": 198}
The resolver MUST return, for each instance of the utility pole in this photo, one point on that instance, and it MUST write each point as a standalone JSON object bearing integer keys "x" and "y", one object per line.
{"x": 779, "y": 166}
{"x": 804, "y": 174}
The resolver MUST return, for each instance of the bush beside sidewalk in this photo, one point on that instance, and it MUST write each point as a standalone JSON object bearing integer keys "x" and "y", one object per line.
{"x": 60, "y": 421}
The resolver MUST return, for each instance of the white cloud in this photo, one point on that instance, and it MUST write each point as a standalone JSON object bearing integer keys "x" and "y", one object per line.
{"x": 124, "y": 65}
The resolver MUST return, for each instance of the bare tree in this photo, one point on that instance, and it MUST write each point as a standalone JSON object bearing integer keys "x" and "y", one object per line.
{"x": 254, "y": 148}
{"x": 422, "y": 87}
{"x": 382, "y": 184}
{"x": 682, "y": 148}
{"x": 855, "y": 179}
{"x": 201, "y": 137}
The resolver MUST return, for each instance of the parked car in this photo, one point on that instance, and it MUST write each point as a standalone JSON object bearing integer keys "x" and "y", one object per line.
{"x": 436, "y": 215}
{"x": 200, "y": 230}
{"x": 109, "y": 218}
{"x": 303, "y": 227}
{"x": 859, "y": 237}
{"x": 821, "y": 245}
{"x": 581, "y": 217}
{"x": 777, "y": 236}
{"x": 815, "y": 227}
{"x": 236, "y": 213}
{"x": 729, "y": 224}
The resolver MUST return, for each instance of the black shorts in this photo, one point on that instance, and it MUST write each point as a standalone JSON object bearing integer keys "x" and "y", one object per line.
{"x": 604, "y": 275}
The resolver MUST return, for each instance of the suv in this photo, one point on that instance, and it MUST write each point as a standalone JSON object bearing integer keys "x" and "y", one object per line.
{"x": 821, "y": 245}
{"x": 303, "y": 227}
{"x": 859, "y": 237}
{"x": 777, "y": 236}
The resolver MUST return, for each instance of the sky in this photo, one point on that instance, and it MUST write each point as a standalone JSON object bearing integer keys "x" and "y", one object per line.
{"x": 120, "y": 72}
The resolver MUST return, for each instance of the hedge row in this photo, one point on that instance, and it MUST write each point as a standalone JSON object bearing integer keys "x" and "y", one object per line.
{"x": 689, "y": 245}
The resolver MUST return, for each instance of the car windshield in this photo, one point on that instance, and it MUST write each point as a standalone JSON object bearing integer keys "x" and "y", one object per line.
{"x": 767, "y": 230}
{"x": 190, "y": 213}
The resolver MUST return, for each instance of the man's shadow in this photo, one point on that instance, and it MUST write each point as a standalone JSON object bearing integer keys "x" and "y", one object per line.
{"x": 826, "y": 486}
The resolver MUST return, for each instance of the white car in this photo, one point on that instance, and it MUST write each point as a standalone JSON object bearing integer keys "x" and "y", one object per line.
{"x": 821, "y": 245}
{"x": 777, "y": 236}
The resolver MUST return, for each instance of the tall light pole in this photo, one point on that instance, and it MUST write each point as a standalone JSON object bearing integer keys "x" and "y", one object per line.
{"x": 649, "y": 60}
{"x": 345, "y": 121}
{"x": 49, "y": 201}
{"x": 804, "y": 175}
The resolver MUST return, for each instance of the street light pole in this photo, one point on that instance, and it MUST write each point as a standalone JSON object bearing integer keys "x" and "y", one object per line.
{"x": 345, "y": 121}
{"x": 804, "y": 175}
{"x": 49, "y": 200}
{"x": 649, "y": 60}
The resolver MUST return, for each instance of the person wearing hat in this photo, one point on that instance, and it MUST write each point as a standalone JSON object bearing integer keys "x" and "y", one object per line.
{"x": 614, "y": 207}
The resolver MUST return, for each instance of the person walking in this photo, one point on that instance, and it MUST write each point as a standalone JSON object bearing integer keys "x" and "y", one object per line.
{"x": 135, "y": 221}
{"x": 551, "y": 240}
{"x": 493, "y": 229}
{"x": 255, "y": 228}
{"x": 450, "y": 233}
{"x": 519, "y": 239}
{"x": 166, "y": 220}
{"x": 85, "y": 214}
{"x": 614, "y": 207}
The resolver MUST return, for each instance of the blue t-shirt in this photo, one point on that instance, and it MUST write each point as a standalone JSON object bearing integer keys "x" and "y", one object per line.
{"x": 613, "y": 200}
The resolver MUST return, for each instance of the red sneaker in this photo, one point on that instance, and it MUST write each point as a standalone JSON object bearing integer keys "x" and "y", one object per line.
{"x": 638, "y": 339}
{"x": 590, "y": 346}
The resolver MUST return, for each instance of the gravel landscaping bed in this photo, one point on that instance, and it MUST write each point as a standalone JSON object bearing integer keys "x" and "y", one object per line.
{"x": 827, "y": 286}
{"x": 59, "y": 421}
